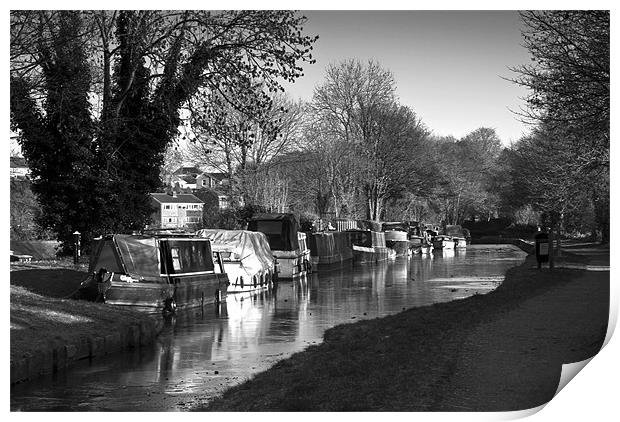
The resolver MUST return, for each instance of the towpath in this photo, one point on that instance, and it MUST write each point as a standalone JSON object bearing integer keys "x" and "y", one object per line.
{"x": 516, "y": 358}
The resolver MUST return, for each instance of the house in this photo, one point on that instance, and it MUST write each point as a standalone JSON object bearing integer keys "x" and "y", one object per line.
{"x": 209, "y": 180}
{"x": 183, "y": 182}
{"x": 19, "y": 168}
{"x": 176, "y": 210}
{"x": 188, "y": 171}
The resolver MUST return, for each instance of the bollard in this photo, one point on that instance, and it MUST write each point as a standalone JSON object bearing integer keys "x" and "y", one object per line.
{"x": 76, "y": 247}
{"x": 542, "y": 248}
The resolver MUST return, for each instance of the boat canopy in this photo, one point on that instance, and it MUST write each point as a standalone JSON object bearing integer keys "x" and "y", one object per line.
{"x": 148, "y": 258}
{"x": 250, "y": 248}
{"x": 367, "y": 238}
{"x": 281, "y": 230}
{"x": 137, "y": 256}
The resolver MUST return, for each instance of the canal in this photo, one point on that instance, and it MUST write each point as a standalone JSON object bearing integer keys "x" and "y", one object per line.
{"x": 201, "y": 353}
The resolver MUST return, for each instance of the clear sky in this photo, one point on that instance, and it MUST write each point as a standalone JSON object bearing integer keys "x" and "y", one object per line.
{"x": 448, "y": 65}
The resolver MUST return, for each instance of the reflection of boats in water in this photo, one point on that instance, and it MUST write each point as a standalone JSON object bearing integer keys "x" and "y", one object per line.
{"x": 288, "y": 244}
{"x": 154, "y": 273}
{"x": 291, "y": 295}
{"x": 445, "y": 253}
{"x": 246, "y": 256}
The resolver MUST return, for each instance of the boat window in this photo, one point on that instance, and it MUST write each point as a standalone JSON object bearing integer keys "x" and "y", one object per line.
{"x": 176, "y": 262}
{"x": 190, "y": 255}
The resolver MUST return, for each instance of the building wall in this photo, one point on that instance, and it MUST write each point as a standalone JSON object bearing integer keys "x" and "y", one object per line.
{"x": 180, "y": 215}
{"x": 19, "y": 171}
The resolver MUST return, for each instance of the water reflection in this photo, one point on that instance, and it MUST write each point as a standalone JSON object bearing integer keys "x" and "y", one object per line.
{"x": 202, "y": 352}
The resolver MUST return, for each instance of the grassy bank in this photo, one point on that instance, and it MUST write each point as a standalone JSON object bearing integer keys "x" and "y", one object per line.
{"x": 403, "y": 362}
{"x": 49, "y": 332}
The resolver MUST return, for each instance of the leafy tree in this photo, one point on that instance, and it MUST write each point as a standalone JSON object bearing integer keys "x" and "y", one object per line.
{"x": 97, "y": 97}
{"x": 23, "y": 212}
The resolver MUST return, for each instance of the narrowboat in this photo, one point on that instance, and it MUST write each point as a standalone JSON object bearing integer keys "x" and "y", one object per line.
{"x": 458, "y": 234}
{"x": 247, "y": 258}
{"x": 369, "y": 247}
{"x": 288, "y": 244}
{"x": 153, "y": 273}
{"x": 397, "y": 237}
{"x": 443, "y": 242}
{"x": 416, "y": 244}
{"x": 328, "y": 248}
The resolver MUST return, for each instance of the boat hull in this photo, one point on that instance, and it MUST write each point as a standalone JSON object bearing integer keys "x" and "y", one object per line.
{"x": 293, "y": 264}
{"x": 401, "y": 247}
{"x": 241, "y": 282}
{"x": 182, "y": 293}
{"x": 443, "y": 243}
{"x": 460, "y": 242}
{"x": 362, "y": 254}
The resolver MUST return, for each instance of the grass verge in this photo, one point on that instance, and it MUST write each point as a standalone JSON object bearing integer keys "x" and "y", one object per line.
{"x": 41, "y": 320}
{"x": 401, "y": 362}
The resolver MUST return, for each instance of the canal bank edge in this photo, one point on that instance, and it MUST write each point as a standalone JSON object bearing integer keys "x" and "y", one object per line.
{"x": 371, "y": 375}
{"x": 59, "y": 356}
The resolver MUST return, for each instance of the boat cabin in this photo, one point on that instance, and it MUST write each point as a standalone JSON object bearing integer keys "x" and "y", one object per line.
{"x": 151, "y": 272}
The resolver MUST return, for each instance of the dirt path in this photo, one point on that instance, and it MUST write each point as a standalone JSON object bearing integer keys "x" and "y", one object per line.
{"x": 518, "y": 356}
{"x": 496, "y": 352}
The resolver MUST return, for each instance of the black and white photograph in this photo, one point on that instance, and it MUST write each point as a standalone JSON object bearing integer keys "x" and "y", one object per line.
{"x": 262, "y": 209}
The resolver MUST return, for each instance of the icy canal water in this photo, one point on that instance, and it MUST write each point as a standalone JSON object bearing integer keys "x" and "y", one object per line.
{"x": 201, "y": 353}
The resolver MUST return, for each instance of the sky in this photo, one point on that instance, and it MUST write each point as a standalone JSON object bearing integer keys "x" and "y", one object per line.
{"x": 448, "y": 65}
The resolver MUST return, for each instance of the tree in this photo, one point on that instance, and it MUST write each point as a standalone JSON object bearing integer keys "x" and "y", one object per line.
{"x": 242, "y": 146}
{"x": 388, "y": 156}
{"x": 466, "y": 170}
{"x": 569, "y": 80}
{"x": 569, "y": 103}
{"x": 97, "y": 97}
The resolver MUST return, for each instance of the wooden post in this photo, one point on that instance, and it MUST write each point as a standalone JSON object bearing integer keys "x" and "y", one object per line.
{"x": 551, "y": 239}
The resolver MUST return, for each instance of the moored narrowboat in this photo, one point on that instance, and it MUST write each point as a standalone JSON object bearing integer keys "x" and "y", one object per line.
{"x": 397, "y": 237}
{"x": 458, "y": 234}
{"x": 247, "y": 258}
{"x": 416, "y": 244}
{"x": 154, "y": 273}
{"x": 369, "y": 247}
{"x": 288, "y": 244}
{"x": 443, "y": 242}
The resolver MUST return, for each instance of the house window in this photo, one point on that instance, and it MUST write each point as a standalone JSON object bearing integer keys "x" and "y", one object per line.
{"x": 204, "y": 182}
{"x": 167, "y": 207}
{"x": 170, "y": 220}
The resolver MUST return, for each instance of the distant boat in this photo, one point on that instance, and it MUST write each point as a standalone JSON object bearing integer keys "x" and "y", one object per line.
{"x": 247, "y": 258}
{"x": 459, "y": 234}
{"x": 154, "y": 273}
{"x": 369, "y": 247}
{"x": 459, "y": 242}
{"x": 396, "y": 238}
{"x": 288, "y": 245}
{"x": 417, "y": 245}
{"x": 443, "y": 242}
{"x": 426, "y": 249}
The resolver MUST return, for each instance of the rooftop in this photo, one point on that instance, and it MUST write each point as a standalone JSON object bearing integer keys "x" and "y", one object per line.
{"x": 180, "y": 198}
